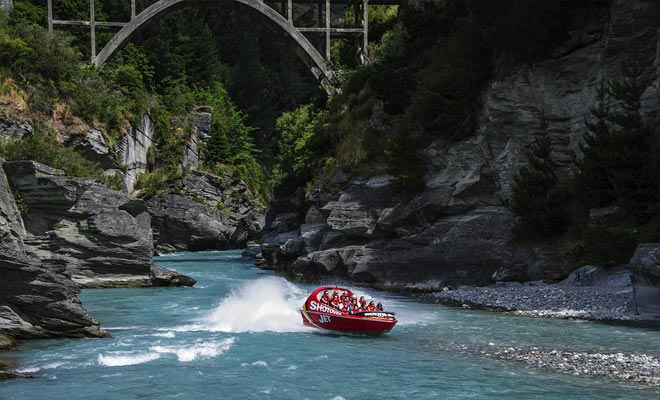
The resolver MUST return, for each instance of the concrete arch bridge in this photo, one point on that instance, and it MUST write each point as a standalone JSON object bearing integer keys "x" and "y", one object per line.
{"x": 279, "y": 12}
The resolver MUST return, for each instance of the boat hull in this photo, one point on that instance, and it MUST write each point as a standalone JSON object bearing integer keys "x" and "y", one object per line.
{"x": 371, "y": 325}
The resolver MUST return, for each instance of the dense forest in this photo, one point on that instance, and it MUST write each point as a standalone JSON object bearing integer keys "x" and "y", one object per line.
{"x": 275, "y": 128}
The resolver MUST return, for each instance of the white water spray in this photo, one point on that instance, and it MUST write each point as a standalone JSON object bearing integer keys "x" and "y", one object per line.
{"x": 267, "y": 304}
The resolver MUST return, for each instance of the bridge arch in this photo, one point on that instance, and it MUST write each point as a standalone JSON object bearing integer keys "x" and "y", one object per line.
{"x": 305, "y": 49}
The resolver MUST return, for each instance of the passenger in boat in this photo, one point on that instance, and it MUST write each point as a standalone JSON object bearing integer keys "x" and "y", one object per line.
{"x": 371, "y": 306}
{"x": 349, "y": 308}
{"x": 335, "y": 301}
{"x": 354, "y": 306}
{"x": 363, "y": 302}
{"x": 325, "y": 299}
{"x": 379, "y": 306}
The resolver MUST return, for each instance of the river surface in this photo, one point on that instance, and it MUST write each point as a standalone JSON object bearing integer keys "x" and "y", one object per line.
{"x": 238, "y": 335}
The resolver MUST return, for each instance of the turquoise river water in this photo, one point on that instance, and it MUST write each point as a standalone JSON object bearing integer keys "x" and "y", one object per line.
{"x": 238, "y": 335}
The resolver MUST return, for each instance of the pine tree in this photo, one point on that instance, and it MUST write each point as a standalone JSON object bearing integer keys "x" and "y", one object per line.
{"x": 537, "y": 198}
{"x": 620, "y": 163}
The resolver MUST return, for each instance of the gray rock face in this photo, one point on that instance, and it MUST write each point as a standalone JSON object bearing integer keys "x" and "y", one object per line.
{"x": 15, "y": 129}
{"x": 211, "y": 213}
{"x": 93, "y": 146}
{"x": 181, "y": 224}
{"x": 34, "y": 301}
{"x": 229, "y": 196}
{"x": 646, "y": 279}
{"x": 200, "y": 132}
{"x": 133, "y": 148}
{"x": 96, "y": 236}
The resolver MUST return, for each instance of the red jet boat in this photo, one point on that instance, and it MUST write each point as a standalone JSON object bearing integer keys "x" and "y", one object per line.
{"x": 318, "y": 315}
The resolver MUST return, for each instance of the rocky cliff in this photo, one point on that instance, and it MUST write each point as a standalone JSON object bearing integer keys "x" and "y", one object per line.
{"x": 35, "y": 301}
{"x": 207, "y": 213}
{"x": 459, "y": 229}
{"x": 133, "y": 148}
{"x": 93, "y": 235}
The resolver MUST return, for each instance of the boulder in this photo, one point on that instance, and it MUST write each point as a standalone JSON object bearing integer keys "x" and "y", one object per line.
{"x": 592, "y": 275}
{"x": 6, "y": 342}
{"x": 645, "y": 265}
{"x": 312, "y": 235}
{"x": 165, "y": 277}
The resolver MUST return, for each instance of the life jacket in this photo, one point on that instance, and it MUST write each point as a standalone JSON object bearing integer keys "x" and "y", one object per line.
{"x": 371, "y": 307}
{"x": 325, "y": 299}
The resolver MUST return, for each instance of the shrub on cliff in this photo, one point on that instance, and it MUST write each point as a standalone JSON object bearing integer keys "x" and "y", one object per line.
{"x": 43, "y": 147}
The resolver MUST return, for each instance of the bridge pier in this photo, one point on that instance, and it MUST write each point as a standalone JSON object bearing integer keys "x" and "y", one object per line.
{"x": 7, "y": 5}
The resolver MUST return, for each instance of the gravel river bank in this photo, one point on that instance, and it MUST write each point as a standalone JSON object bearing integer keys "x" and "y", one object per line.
{"x": 595, "y": 303}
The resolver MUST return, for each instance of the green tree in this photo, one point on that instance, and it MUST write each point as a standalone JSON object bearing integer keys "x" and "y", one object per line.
{"x": 621, "y": 160}
{"x": 294, "y": 155}
{"x": 537, "y": 198}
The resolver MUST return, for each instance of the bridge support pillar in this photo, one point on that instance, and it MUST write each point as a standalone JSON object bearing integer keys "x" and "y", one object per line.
{"x": 92, "y": 29}
{"x": 7, "y": 5}
{"x": 327, "y": 30}
{"x": 365, "y": 37}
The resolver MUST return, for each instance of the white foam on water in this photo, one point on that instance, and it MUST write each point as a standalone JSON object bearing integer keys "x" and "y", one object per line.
{"x": 260, "y": 363}
{"x": 267, "y": 304}
{"x": 31, "y": 370}
{"x": 198, "y": 350}
{"x": 168, "y": 334}
{"x": 123, "y": 358}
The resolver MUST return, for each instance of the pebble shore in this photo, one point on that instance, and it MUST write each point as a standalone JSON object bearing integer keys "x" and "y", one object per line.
{"x": 566, "y": 302}
{"x": 572, "y": 302}
{"x": 635, "y": 368}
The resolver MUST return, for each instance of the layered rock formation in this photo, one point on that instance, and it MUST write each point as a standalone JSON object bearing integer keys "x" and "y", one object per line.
{"x": 459, "y": 229}
{"x": 35, "y": 301}
{"x": 96, "y": 236}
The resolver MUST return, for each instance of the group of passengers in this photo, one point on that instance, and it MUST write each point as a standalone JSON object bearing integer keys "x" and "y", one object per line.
{"x": 348, "y": 303}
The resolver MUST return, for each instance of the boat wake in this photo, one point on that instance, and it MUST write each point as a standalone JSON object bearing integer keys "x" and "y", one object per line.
{"x": 267, "y": 304}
